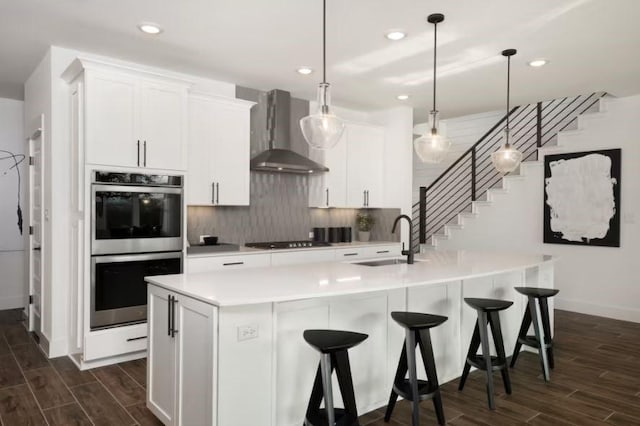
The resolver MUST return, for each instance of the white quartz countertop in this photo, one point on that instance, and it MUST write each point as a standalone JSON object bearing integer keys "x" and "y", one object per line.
{"x": 312, "y": 280}
{"x": 243, "y": 250}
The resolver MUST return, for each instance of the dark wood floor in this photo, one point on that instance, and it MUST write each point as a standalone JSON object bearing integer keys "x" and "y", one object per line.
{"x": 596, "y": 382}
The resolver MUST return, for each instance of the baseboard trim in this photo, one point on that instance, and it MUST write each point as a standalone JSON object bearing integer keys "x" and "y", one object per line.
{"x": 608, "y": 311}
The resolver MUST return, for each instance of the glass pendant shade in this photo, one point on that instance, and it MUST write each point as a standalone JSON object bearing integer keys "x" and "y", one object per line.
{"x": 507, "y": 158}
{"x": 322, "y": 130}
{"x": 432, "y": 147}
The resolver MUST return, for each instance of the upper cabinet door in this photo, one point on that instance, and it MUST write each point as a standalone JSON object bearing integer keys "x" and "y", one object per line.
{"x": 230, "y": 161}
{"x": 219, "y": 135}
{"x": 365, "y": 165}
{"x": 200, "y": 187}
{"x": 111, "y": 134}
{"x": 329, "y": 189}
{"x": 163, "y": 125}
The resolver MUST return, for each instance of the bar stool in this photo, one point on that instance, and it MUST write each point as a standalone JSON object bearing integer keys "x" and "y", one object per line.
{"x": 538, "y": 314}
{"x": 488, "y": 315}
{"x": 333, "y": 346}
{"x": 416, "y": 326}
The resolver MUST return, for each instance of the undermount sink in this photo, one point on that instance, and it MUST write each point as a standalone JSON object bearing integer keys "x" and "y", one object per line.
{"x": 383, "y": 262}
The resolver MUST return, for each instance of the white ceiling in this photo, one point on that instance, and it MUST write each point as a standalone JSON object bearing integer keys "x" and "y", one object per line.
{"x": 592, "y": 45}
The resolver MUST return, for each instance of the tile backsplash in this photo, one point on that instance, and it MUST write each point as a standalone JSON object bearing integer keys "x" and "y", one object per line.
{"x": 279, "y": 212}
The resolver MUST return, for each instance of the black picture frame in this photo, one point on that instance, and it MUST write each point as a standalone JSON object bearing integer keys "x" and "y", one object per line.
{"x": 612, "y": 238}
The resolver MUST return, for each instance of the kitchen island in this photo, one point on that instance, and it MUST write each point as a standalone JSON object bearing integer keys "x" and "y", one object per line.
{"x": 226, "y": 347}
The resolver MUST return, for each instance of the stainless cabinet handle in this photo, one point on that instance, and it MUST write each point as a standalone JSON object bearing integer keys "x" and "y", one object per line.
{"x": 136, "y": 338}
{"x": 327, "y": 197}
{"x": 367, "y": 197}
{"x": 138, "y": 152}
{"x": 217, "y": 193}
{"x": 382, "y": 251}
{"x": 213, "y": 192}
{"x": 364, "y": 198}
{"x": 233, "y": 263}
{"x": 350, "y": 254}
{"x": 145, "y": 153}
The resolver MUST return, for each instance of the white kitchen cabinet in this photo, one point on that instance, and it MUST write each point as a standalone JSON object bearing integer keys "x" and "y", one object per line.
{"x": 110, "y": 125}
{"x": 227, "y": 262}
{"x": 163, "y": 111}
{"x": 356, "y": 170}
{"x": 130, "y": 118}
{"x": 181, "y": 371}
{"x": 365, "y": 165}
{"x": 329, "y": 189}
{"x": 219, "y": 151}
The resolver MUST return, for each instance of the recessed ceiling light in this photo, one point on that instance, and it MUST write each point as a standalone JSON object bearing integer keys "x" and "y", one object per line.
{"x": 149, "y": 28}
{"x": 402, "y": 97}
{"x": 538, "y": 63}
{"x": 395, "y": 35}
{"x": 304, "y": 70}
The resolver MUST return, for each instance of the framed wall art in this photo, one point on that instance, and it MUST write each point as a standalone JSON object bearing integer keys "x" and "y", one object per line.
{"x": 582, "y": 198}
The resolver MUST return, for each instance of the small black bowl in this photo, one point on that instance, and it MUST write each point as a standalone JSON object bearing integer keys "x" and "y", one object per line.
{"x": 210, "y": 241}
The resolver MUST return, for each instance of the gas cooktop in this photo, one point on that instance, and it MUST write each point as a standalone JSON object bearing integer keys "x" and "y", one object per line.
{"x": 287, "y": 244}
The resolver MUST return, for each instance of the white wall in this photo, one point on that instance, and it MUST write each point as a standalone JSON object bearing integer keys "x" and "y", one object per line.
{"x": 594, "y": 280}
{"x": 12, "y": 284}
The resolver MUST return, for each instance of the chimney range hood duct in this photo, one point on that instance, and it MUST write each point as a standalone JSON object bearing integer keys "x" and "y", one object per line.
{"x": 279, "y": 157}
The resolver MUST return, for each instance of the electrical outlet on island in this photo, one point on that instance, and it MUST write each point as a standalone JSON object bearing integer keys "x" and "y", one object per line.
{"x": 247, "y": 332}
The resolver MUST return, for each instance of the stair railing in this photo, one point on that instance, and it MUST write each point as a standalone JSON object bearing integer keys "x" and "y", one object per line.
{"x": 469, "y": 177}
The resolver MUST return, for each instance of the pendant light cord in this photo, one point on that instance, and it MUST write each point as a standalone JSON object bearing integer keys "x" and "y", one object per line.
{"x": 435, "y": 47}
{"x": 508, "y": 98}
{"x": 324, "y": 41}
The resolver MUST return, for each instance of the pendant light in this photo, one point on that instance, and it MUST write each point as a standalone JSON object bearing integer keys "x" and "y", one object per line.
{"x": 507, "y": 158}
{"x": 322, "y": 130}
{"x": 432, "y": 147}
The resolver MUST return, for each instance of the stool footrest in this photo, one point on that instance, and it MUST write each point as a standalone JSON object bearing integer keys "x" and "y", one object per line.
{"x": 320, "y": 418}
{"x": 532, "y": 341}
{"x": 425, "y": 390}
{"x": 478, "y": 362}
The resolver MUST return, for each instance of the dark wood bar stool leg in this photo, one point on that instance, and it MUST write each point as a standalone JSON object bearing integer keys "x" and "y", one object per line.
{"x": 473, "y": 348}
{"x": 524, "y": 328}
{"x": 486, "y": 355}
{"x": 496, "y": 330}
{"x": 400, "y": 373}
{"x": 546, "y": 326}
{"x": 429, "y": 361}
{"x": 316, "y": 395}
{"x": 343, "y": 371}
{"x": 540, "y": 336}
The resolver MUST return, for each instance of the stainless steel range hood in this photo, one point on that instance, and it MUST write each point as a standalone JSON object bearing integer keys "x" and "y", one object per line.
{"x": 279, "y": 157}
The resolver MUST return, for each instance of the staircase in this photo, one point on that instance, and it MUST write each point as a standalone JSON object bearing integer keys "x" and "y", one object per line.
{"x": 471, "y": 181}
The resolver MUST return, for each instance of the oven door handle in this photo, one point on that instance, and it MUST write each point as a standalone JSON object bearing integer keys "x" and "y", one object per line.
{"x": 136, "y": 188}
{"x": 136, "y": 257}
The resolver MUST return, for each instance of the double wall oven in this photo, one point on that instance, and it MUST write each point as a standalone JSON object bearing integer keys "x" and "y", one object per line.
{"x": 136, "y": 231}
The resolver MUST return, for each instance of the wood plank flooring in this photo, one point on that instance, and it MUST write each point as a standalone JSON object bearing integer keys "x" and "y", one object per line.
{"x": 596, "y": 382}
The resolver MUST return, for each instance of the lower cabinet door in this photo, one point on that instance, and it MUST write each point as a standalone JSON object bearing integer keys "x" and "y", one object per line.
{"x": 161, "y": 357}
{"x": 196, "y": 325}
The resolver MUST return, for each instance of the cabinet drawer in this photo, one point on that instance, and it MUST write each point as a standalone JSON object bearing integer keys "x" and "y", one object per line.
{"x": 219, "y": 263}
{"x": 350, "y": 253}
{"x": 364, "y": 252}
{"x": 115, "y": 341}
{"x": 304, "y": 256}
{"x": 382, "y": 251}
